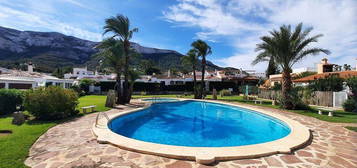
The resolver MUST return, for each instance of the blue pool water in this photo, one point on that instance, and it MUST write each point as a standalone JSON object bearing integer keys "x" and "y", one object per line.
{"x": 199, "y": 124}
{"x": 159, "y": 99}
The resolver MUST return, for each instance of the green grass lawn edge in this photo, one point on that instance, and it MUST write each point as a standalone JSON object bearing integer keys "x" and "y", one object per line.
{"x": 340, "y": 116}
{"x": 352, "y": 128}
{"x": 14, "y": 148}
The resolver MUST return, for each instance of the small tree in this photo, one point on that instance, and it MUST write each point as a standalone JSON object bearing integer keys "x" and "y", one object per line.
{"x": 330, "y": 83}
{"x": 272, "y": 68}
{"x": 85, "y": 83}
{"x": 148, "y": 67}
{"x": 351, "y": 103}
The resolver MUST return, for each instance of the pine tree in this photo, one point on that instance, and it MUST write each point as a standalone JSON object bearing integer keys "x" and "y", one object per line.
{"x": 272, "y": 68}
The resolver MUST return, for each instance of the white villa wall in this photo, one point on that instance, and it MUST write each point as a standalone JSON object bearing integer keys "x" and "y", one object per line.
{"x": 304, "y": 69}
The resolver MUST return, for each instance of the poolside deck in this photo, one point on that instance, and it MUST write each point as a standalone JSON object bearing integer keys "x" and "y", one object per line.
{"x": 72, "y": 144}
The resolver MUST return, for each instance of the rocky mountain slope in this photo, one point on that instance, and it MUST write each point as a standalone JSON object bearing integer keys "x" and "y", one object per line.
{"x": 50, "y": 50}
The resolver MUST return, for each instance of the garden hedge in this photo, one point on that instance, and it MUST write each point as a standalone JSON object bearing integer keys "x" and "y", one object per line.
{"x": 51, "y": 103}
{"x": 9, "y": 99}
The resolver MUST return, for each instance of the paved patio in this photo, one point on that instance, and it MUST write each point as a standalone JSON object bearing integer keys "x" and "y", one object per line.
{"x": 72, "y": 145}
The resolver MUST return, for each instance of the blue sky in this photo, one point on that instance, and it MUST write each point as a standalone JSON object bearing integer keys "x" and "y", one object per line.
{"x": 231, "y": 27}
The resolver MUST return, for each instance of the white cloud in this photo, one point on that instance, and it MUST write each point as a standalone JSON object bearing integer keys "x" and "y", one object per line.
{"x": 39, "y": 16}
{"x": 242, "y": 22}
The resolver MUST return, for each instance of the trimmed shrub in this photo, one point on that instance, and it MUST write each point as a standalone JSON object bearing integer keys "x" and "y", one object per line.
{"x": 79, "y": 91}
{"x": 51, "y": 103}
{"x": 350, "y": 105}
{"x": 295, "y": 97}
{"x": 85, "y": 83}
{"x": 331, "y": 83}
{"x": 9, "y": 99}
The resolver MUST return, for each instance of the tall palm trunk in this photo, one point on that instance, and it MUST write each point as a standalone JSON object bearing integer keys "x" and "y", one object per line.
{"x": 131, "y": 89}
{"x": 126, "y": 88}
{"x": 194, "y": 82}
{"x": 118, "y": 89}
{"x": 286, "y": 89}
{"x": 203, "y": 77}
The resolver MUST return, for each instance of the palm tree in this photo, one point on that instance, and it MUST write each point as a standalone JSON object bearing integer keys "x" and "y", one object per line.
{"x": 111, "y": 53}
{"x": 203, "y": 49}
{"x": 120, "y": 27}
{"x": 191, "y": 59}
{"x": 287, "y": 47}
{"x": 133, "y": 75}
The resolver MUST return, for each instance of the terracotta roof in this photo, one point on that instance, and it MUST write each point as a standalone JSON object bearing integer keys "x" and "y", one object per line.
{"x": 166, "y": 77}
{"x": 250, "y": 78}
{"x": 343, "y": 74}
{"x": 265, "y": 85}
{"x": 276, "y": 79}
{"x": 25, "y": 74}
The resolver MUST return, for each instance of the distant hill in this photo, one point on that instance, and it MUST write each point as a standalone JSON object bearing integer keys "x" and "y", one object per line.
{"x": 51, "y": 50}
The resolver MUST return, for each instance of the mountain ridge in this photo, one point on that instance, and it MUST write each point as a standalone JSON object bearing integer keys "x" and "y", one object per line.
{"x": 50, "y": 50}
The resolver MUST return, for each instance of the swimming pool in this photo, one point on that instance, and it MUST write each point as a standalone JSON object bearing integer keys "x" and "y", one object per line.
{"x": 202, "y": 130}
{"x": 159, "y": 99}
{"x": 199, "y": 124}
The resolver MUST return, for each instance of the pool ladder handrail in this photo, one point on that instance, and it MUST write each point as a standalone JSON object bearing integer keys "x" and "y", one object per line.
{"x": 97, "y": 118}
{"x": 155, "y": 99}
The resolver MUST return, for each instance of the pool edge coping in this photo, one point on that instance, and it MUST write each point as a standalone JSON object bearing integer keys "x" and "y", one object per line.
{"x": 299, "y": 136}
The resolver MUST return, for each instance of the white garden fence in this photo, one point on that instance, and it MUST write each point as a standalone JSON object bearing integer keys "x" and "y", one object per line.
{"x": 339, "y": 98}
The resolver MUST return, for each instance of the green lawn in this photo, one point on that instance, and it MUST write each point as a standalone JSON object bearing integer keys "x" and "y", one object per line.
{"x": 352, "y": 128}
{"x": 339, "y": 116}
{"x": 99, "y": 101}
{"x": 14, "y": 148}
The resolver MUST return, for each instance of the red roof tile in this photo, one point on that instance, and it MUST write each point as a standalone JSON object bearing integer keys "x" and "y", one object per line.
{"x": 343, "y": 74}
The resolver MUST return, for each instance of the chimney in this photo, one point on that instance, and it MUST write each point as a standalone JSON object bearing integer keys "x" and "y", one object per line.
{"x": 30, "y": 67}
{"x": 324, "y": 61}
{"x": 320, "y": 66}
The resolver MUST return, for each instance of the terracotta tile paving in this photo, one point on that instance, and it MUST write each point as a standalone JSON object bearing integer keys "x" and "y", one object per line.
{"x": 72, "y": 145}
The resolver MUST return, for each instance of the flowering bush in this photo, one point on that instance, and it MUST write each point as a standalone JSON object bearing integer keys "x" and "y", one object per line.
{"x": 51, "y": 103}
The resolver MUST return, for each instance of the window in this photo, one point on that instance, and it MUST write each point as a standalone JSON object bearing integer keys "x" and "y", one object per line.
{"x": 68, "y": 85}
{"x": 179, "y": 82}
{"x": 48, "y": 84}
{"x": 19, "y": 86}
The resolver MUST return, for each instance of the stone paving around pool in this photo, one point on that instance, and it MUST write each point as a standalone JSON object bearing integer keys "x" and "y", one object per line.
{"x": 72, "y": 145}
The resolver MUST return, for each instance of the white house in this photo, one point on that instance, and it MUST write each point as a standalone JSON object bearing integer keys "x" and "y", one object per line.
{"x": 83, "y": 73}
{"x": 16, "y": 79}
